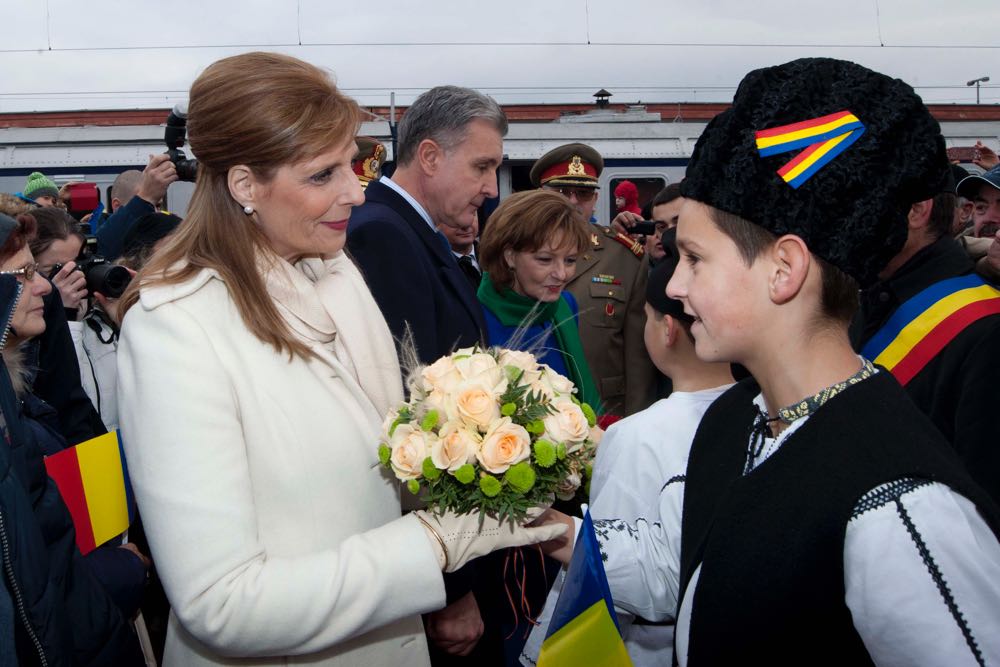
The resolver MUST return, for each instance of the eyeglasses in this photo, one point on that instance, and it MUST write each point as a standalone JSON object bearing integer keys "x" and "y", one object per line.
{"x": 27, "y": 271}
{"x": 581, "y": 194}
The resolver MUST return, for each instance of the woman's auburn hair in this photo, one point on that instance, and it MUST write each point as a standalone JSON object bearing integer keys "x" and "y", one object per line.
{"x": 264, "y": 111}
{"x": 19, "y": 237}
{"x": 525, "y": 222}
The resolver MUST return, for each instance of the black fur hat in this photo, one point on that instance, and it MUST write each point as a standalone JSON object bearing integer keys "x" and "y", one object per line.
{"x": 855, "y": 149}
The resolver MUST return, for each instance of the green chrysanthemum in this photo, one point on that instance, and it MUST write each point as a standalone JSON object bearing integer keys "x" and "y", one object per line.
{"x": 545, "y": 453}
{"x": 465, "y": 474}
{"x": 489, "y": 485}
{"x": 507, "y": 409}
{"x": 589, "y": 413}
{"x": 430, "y": 471}
{"x": 521, "y": 477}
{"x": 430, "y": 420}
{"x": 384, "y": 453}
{"x": 561, "y": 452}
{"x": 414, "y": 486}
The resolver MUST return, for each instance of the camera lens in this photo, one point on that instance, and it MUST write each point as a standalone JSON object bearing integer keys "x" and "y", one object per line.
{"x": 108, "y": 279}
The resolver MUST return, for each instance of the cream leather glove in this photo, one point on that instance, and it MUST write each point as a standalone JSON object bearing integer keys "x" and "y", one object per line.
{"x": 457, "y": 538}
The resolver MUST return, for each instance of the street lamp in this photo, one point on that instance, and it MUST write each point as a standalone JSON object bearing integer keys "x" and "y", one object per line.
{"x": 976, "y": 82}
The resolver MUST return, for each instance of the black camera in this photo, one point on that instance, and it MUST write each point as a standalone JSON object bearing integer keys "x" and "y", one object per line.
{"x": 644, "y": 228}
{"x": 102, "y": 276}
{"x": 174, "y": 136}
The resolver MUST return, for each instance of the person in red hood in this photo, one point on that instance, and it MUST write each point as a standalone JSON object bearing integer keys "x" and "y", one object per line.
{"x": 627, "y": 198}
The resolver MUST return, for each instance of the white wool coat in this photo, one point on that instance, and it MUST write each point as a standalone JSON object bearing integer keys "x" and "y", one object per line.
{"x": 275, "y": 534}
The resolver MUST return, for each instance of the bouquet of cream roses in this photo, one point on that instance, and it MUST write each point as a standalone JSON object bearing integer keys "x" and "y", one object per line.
{"x": 490, "y": 430}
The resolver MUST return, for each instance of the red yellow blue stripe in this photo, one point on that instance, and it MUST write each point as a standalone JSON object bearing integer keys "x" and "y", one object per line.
{"x": 924, "y": 324}
{"x": 823, "y": 139}
{"x": 786, "y": 138}
{"x": 93, "y": 481}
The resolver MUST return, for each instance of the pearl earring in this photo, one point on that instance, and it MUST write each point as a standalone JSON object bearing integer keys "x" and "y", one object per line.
{"x": 248, "y": 209}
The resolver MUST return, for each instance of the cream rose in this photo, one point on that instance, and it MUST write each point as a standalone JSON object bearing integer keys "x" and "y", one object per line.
{"x": 596, "y": 433}
{"x": 524, "y": 361}
{"x": 410, "y": 446}
{"x": 474, "y": 364}
{"x": 505, "y": 444}
{"x": 474, "y": 403}
{"x": 456, "y": 446}
{"x": 561, "y": 385}
{"x": 567, "y": 424}
{"x": 567, "y": 488}
{"x": 441, "y": 376}
{"x": 435, "y": 400}
{"x": 387, "y": 424}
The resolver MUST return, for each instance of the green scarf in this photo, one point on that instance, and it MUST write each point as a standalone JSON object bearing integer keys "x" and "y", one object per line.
{"x": 512, "y": 310}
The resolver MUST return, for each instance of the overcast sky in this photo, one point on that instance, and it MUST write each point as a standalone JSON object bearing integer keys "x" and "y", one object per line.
{"x": 108, "y": 54}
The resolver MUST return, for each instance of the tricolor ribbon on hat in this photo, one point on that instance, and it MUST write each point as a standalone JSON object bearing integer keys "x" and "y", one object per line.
{"x": 823, "y": 138}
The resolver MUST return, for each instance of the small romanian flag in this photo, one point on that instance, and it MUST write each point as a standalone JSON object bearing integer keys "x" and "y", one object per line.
{"x": 93, "y": 482}
{"x": 584, "y": 628}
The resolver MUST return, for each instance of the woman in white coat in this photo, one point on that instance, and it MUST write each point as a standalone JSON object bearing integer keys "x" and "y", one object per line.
{"x": 254, "y": 368}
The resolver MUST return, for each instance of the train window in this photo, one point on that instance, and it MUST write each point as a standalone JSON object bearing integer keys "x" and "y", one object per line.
{"x": 645, "y": 187}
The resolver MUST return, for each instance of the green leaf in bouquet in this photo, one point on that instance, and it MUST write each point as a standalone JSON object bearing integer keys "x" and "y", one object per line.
{"x": 414, "y": 486}
{"x": 545, "y": 453}
{"x": 490, "y": 486}
{"x": 520, "y": 476}
{"x": 535, "y": 427}
{"x": 507, "y": 409}
{"x": 430, "y": 471}
{"x": 589, "y": 413}
{"x": 403, "y": 416}
{"x": 430, "y": 420}
{"x": 384, "y": 453}
{"x": 514, "y": 374}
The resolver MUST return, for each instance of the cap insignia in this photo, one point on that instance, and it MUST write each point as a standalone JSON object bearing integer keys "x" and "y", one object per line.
{"x": 823, "y": 139}
{"x": 576, "y": 167}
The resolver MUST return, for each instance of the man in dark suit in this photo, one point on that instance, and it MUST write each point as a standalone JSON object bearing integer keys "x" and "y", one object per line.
{"x": 464, "y": 242}
{"x": 450, "y": 146}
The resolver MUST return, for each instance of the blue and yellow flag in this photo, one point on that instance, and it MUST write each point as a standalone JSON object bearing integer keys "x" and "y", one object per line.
{"x": 584, "y": 628}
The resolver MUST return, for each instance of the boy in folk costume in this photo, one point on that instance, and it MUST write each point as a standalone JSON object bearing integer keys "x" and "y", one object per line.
{"x": 641, "y": 460}
{"x": 824, "y": 520}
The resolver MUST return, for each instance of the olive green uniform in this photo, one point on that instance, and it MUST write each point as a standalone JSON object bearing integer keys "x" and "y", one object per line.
{"x": 610, "y": 289}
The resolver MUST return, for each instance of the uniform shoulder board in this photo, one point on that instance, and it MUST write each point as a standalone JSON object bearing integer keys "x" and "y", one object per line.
{"x": 634, "y": 246}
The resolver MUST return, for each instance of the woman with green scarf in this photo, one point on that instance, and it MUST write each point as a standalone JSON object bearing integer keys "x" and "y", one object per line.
{"x": 528, "y": 252}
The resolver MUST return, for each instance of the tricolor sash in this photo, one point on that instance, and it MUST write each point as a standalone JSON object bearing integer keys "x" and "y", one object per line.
{"x": 823, "y": 139}
{"x": 927, "y": 322}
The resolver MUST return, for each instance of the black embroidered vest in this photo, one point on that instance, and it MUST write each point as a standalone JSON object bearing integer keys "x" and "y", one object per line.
{"x": 771, "y": 543}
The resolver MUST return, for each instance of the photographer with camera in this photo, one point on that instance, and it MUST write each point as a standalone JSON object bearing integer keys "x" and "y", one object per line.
{"x": 57, "y": 246}
{"x": 159, "y": 173}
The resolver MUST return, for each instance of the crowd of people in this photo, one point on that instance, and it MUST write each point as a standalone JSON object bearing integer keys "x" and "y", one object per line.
{"x": 793, "y": 362}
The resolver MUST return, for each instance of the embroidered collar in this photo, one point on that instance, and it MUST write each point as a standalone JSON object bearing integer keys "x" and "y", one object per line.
{"x": 760, "y": 431}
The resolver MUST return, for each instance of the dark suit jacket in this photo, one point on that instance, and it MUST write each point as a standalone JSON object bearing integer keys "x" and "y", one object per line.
{"x": 415, "y": 280}
{"x": 413, "y": 275}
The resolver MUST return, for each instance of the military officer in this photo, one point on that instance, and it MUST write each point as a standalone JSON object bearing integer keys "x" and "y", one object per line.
{"x": 609, "y": 286}
{"x": 367, "y": 163}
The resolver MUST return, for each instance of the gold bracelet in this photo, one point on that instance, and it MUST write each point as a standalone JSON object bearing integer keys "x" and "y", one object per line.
{"x": 437, "y": 536}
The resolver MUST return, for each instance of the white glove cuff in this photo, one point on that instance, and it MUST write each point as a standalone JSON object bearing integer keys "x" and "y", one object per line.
{"x": 437, "y": 543}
